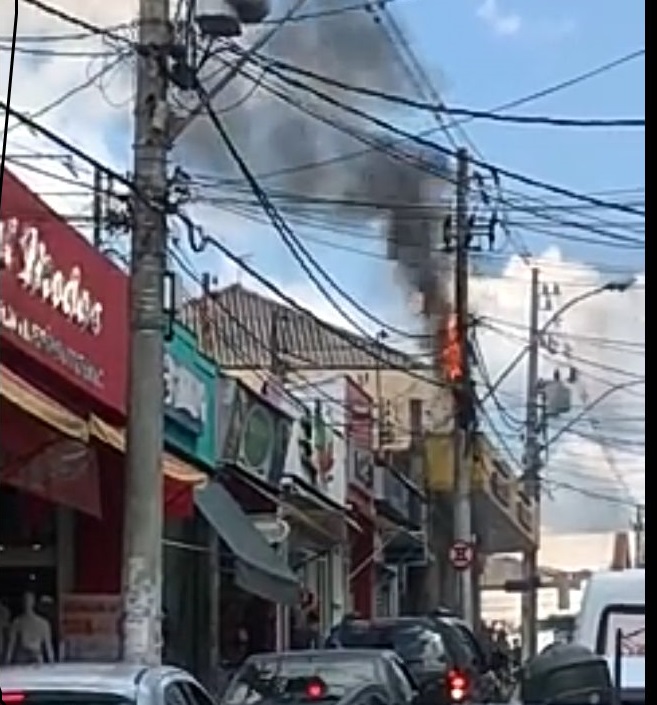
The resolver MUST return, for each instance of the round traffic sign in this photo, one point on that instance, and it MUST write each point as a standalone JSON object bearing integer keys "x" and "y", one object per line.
{"x": 461, "y": 555}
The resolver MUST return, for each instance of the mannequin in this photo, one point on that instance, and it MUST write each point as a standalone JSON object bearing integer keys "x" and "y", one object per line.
{"x": 30, "y": 637}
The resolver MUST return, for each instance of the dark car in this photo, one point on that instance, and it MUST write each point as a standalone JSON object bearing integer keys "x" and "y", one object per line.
{"x": 433, "y": 649}
{"x": 320, "y": 676}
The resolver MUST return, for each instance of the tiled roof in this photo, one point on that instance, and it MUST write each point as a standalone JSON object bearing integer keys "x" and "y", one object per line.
{"x": 234, "y": 327}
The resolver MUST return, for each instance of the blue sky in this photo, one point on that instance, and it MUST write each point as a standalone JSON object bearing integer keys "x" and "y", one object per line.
{"x": 480, "y": 53}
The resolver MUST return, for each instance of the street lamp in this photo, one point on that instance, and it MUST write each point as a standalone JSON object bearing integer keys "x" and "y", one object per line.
{"x": 617, "y": 286}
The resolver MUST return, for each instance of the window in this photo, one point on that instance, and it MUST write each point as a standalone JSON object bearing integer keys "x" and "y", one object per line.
{"x": 174, "y": 695}
{"x": 196, "y": 695}
{"x": 480, "y": 659}
{"x": 403, "y": 682}
{"x": 258, "y": 679}
{"x": 630, "y": 620}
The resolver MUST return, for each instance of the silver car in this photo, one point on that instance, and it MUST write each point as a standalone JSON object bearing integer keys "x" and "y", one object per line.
{"x": 100, "y": 684}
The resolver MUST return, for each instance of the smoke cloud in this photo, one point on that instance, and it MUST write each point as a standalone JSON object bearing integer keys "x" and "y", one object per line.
{"x": 275, "y": 137}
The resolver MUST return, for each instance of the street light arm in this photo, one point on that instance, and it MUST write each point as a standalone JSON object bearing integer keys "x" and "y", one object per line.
{"x": 589, "y": 407}
{"x": 233, "y": 72}
{"x": 584, "y": 296}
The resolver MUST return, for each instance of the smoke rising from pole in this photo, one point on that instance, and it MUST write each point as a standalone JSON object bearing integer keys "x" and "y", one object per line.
{"x": 274, "y": 136}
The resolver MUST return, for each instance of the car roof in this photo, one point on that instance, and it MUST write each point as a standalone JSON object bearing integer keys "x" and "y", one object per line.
{"x": 331, "y": 654}
{"x": 113, "y": 679}
{"x": 386, "y": 622}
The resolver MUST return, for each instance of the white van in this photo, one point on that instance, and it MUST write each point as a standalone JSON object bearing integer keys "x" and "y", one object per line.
{"x": 614, "y": 601}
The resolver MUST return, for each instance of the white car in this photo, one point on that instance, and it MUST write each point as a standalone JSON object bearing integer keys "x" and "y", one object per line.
{"x": 99, "y": 684}
{"x": 615, "y": 602}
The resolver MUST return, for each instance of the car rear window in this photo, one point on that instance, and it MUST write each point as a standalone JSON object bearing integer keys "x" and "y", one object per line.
{"x": 412, "y": 641}
{"x": 262, "y": 679}
{"x": 60, "y": 697}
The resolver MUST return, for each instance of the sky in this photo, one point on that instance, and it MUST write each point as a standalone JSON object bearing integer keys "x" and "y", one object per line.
{"x": 478, "y": 54}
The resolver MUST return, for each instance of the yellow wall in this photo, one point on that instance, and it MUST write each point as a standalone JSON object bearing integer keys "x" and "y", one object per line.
{"x": 440, "y": 464}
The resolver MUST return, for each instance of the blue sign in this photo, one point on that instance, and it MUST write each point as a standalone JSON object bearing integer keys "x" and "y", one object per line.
{"x": 190, "y": 405}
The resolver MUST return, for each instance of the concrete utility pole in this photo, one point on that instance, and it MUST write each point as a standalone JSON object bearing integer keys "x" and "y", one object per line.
{"x": 142, "y": 558}
{"x": 463, "y": 392}
{"x": 532, "y": 469}
{"x": 640, "y": 537}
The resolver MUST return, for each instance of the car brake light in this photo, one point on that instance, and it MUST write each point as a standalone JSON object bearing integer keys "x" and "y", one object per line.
{"x": 315, "y": 690}
{"x": 457, "y": 684}
{"x": 12, "y": 698}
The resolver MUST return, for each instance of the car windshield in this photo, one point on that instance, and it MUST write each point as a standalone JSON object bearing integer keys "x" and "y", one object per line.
{"x": 411, "y": 640}
{"x": 264, "y": 679}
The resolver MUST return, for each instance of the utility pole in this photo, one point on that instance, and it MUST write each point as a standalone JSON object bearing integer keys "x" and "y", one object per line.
{"x": 640, "y": 537}
{"x": 532, "y": 469}
{"x": 142, "y": 540}
{"x": 98, "y": 201}
{"x": 463, "y": 392}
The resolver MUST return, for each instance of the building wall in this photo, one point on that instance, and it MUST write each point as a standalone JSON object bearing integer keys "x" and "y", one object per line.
{"x": 397, "y": 387}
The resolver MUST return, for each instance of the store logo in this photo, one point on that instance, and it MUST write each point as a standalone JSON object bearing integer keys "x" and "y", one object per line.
{"x": 323, "y": 443}
{"x": 23, "y": 252}
{"x": 185, "y": 397}
{"x": 257, "y": 439}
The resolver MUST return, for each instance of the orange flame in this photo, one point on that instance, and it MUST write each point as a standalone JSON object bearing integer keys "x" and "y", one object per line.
{"x": 450, "y": 353}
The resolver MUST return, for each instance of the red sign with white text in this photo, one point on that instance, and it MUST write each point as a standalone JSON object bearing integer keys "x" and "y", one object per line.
{"x": 61, "y": 302}
{"x": 360, "y": 443}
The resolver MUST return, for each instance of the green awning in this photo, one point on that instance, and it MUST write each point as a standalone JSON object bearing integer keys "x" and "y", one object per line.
{"x": 258, "y": 568}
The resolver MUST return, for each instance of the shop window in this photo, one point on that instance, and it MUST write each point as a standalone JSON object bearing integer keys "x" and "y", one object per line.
{"x": 186, "y": 595}
{"x": 25, "y": 520}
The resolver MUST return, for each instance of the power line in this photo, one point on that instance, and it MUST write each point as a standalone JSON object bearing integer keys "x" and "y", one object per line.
{"x": 441, "y": 108}
{"x": 550, "y": 90}
{"x": 292, "y": 242}
{"x": 500, "y": 171}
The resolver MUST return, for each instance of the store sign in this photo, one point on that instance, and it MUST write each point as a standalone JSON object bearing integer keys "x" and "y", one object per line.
{"x": 360, "y": 416}
{"x": 258, "y": 434}
{"x": 53, "y": 286}
{"x": 189, "y": 398}
{"x": 24, "y": 254}
{"x": 362, "y": 470}
{"x": 185, "y": 399}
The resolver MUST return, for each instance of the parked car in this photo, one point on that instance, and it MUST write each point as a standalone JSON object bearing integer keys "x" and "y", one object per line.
{"x": 434, "y": 649}
{"x": 99, "y": 684}
{"x": 325, "y": 676}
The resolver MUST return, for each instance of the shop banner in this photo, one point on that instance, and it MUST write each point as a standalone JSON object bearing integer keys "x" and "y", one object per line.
{"x": 90, "y": 627}
{"x": 190, "y": 414}
{"x": 317, "y": 452}
{"x": 62, "y": 303}
{"x": 254, "y": 434}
